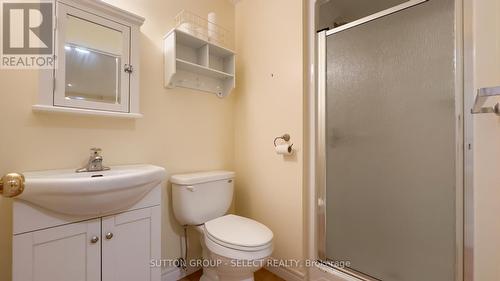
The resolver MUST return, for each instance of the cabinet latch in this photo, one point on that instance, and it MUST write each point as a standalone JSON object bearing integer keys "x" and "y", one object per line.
{"x": 129, "y": 68}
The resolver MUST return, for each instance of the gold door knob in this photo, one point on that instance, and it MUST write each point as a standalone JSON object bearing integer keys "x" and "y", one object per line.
{"x": 109, "y": 235}
{"x": 11, "y": 185}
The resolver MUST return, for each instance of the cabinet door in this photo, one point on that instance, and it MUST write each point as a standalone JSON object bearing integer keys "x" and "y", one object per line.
{"x": 92, "y": 58}
{"x": 62, "y": 253}
{"x": 130, "y": 241}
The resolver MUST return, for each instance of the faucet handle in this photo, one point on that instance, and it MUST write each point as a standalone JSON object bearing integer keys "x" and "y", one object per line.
{"x": 95, "y": 151}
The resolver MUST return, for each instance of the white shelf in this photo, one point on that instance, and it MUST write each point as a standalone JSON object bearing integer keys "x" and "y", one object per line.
{"x": 81, "y": 111}
{"x": 194, "y": 63}
{"x": 189, "y": 39}
{"x": 202, "y": 70}
{"x": 220, "y": 51}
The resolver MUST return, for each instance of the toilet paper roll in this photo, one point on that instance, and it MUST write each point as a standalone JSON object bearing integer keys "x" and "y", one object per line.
{"x": 212, "y": 32}
{"x": 284, "y": 149}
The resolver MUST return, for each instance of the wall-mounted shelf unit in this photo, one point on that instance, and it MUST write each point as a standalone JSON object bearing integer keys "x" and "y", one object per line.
{"x": 194, "y": 63}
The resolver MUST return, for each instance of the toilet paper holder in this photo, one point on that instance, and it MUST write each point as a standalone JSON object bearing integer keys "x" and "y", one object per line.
{"x": 285, "y": 137}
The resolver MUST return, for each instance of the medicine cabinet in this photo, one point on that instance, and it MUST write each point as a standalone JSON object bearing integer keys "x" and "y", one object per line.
{"x": 96, "y": 61}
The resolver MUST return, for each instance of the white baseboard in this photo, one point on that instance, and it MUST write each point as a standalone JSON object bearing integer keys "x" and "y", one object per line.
{"x": 175, "y": 273}
{"x": 289, "y": 274}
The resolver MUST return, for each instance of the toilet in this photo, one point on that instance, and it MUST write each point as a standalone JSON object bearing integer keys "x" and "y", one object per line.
{"x": 233, "y": 246}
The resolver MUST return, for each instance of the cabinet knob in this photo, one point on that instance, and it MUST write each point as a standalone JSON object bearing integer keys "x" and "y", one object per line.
{"x": 109, "y": 235}
{"x": 94, "y": 239}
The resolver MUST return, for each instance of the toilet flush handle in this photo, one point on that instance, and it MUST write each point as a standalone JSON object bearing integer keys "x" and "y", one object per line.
{"x": 191, "y": 188}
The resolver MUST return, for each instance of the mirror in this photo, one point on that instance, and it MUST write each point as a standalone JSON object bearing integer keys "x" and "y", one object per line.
{"x": 93, "y": 61}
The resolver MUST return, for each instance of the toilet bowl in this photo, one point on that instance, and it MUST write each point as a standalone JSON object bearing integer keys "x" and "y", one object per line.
{"x": 240, "y": 246}
{"x": 233, "y": 246}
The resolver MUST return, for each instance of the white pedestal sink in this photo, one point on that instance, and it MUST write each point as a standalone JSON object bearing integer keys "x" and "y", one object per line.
{"x": 93, "y": 193}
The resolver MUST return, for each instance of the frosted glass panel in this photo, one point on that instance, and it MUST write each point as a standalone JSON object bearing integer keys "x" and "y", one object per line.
{"x": 390, "y": 129}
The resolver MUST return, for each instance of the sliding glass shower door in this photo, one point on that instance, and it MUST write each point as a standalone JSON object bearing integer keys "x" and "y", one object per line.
{"x": 390, "y": 145}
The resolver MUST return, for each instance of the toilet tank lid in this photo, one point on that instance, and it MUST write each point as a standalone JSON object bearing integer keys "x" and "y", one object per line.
{"x": 201, "y": 177}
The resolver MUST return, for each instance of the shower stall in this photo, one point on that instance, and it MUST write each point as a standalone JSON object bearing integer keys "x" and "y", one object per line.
{"x": 389, "y": 143}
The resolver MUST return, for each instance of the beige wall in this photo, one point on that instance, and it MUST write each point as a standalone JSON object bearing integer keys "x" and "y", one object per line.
{"x": 182, "y": 130}
{"x": 269, "y": 102}
{"x": 486, "y": 32}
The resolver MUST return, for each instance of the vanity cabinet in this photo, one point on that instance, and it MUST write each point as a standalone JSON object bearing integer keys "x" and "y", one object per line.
{"x": 117, "y": 247}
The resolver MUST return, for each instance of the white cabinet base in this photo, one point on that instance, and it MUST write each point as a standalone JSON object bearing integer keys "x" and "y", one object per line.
{"x": 116, "y": 247}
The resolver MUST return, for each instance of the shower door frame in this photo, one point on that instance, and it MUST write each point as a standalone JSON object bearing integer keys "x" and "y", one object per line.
{"x": 463, "y": 153}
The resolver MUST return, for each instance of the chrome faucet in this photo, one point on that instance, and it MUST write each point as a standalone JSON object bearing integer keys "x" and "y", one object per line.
{"x": 95, "y": 162}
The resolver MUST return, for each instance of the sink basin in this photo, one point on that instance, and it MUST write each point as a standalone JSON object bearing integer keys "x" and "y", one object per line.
{"x": 93, "y": 193}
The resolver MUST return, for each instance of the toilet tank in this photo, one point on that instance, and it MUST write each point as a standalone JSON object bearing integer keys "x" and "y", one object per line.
{"x": 200, "y": 197}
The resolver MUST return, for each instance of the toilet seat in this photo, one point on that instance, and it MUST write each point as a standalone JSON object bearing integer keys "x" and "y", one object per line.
{"x": 238, "y": 237}
{"x": 237, "y": 247}
{"x": 238, "y": 232}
